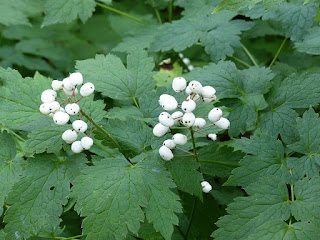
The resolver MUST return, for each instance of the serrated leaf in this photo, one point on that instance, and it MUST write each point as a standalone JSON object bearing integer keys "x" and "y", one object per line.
{"x": 110, "y": 76}
{"x": 280, "y": 230}
{"x": 122, "y": 113}
{"x": 311, "y": 42}
{"x": 234, "y": 5}
{"x": 267, "y": 201}
{"x": 184, "y": 172}
{"x": 266, "y": 157}
{"x": 94, "y": 109}
{"x": 60, "y": 11}
{"x": 46, "y": 139}
{"x": 21, "y": 106}
{"x": 9, "y": 167}
{"x": 117, "y": 191}
{"x": 38, "y": 197}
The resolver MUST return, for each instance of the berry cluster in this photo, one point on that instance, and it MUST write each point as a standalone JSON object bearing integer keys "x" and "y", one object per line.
{"x": 61, "y": 116}
{"x": 197, "y": 94}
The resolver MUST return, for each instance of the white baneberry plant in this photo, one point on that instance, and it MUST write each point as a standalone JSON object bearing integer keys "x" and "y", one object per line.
{"x": 54, "y": 107}
{"x": 196, "y": 94}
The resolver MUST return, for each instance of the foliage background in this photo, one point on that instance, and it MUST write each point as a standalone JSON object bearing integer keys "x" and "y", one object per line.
{"x": 261, "y": 56}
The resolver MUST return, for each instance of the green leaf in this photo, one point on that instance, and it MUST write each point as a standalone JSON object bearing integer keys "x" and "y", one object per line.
{"x": 125, "y": 112}
{"x": 185, "y": 175}
{"x": 9, "y": 167}
{"x": 306, "y": 206}
{"x": 266, "y": 157}
{"x": 217, "y": 161}
{"x": 267, "y": 201}
{"x": 60, "y": 11}
{"x": 94, "y": 109}
{"x": 46, "y": 139}
{"x": 234, "y": 5}
{"x": 217, "y": 33}
{"x": 21, "y": 100}
{"x": 231, "y": 82}
{"x": 110, "y": 76}
{"x": 280, "y": 230}
{"x": 165, "y": 75}
{"x": 118, "y": 190}
{"x": 38, "y": 197}
{"x": 311, "y": 42}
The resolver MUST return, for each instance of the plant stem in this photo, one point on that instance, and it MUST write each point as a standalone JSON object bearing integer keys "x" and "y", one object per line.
{"x": 183, "y": 150}
{"x": 278, "y": 52}
{"x": 249, "y": 55}
{"x": 135, "y": 102}
{"x": 220, "y": 163}
{"x": 119, "y": 12}
{"x": 194, "y": 146}
{"x": 170, "y": 10}
{"x": 292, "y": 193}
{"x": 157, "y": 12}
{"x": 100, "y": 128}
{"x": 240, "y": 61}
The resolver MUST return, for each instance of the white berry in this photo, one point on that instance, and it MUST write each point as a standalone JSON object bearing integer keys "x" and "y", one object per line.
{"x": 186, "y": 61}
{"x": 169, "y": 144}
{"x": 206, "y": 187}
{"x": 165, "y": 97}
{"x": 223, "y": 123}
{"x": 168, "y": 102}
{"x": 190, "y": 67}
{"x": 54, "y": 106}
{"x": 179, "y": 139}
{"x": 87, "y": 89}
{"x": 70, "y": 136}
{"x": 215, "y": 114}
{"x": 70, "y": 93}
{"x": 194, "y": 97}
{"x": 199, "y": 123}
{"x": 72, "y": 108}
{"x": 165, "y": 119}
{"x": 57, "y": 85}
{"x": 177, "y": 116}
{"x": 61, "y": 118}
{"x": 179, "y": 84}
{"x": 207, "y": 100}
{"x": 76, "y": 79}
{"x": 86, "y": 143}
{"x": 188, "y": 105}
{"x": 79, "y": 126}
{"x": 67, "y": 84}
{"x": 188, "y": 91}
{"x": 48, "y": 96}
{"x": 165, "y": 153}
{"x": 188, "y": 119}
{"x": 208, "y": 92}
{"x": 180, "y": 55}
{"x": 76, "y": 147}
{"x": 45, "y": 108}
{"x": 160, "y": 130}
{"x": 212, "y": 136}
{"x": 195, "y": 86}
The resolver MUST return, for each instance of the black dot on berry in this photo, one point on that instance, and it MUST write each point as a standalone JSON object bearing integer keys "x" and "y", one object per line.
{"x": 185, "y": 109}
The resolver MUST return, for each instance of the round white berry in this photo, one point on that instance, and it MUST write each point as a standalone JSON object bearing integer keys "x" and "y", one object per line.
{"x": 168, "y": 102}
{"x": 72, "y": 108}
{"x": 199, "y": 123}
{"x": 180, "y": 55}
{"x": 76, "y": 79}
{"x": 188, "y": 91}
{"x": 195, "y": 86}
{"x": 179, "y": 139}
{"x": 70, "y": 136}
{"x": 61, "y": 109}
{"x": 169, "y": 143}
{"x": 87, "y": 89}
{"x": 207, "y": 100}
{"x": 48, "y": 96}
{"x": 70, "y": 93}
{"x": 165, "y": 119}
{"x": 186, "y": 61}
{"x": 188, "y": 105}
{"x": 212, "y": 136}
{"x": 223, "y": 123}
{"x": 206, "y": 187}
{"x": 165, "y": 97}
{"x": 76, "y": 147}
{"x": 54, "y": 106}
{"x": 215, "y": 114}
{"x": 188, "y": 119}
{"x": 194, "y": 97}
{"x": 165, "y": 153}
{"x": 208, "y": 92}
{"x": 67, "y": 84}
{"x": 179, "y": 84}
{"x": 45, "y": 108}
{"x": 61, "y": 118}
{"x": 86, "y": 143}
{"x": 190, "y": 67}
{"x": 79, "y": 126}
{"x": 57, "y": 85}
{"x": 177, "y": 117}
{"x": 160, "y": 130}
